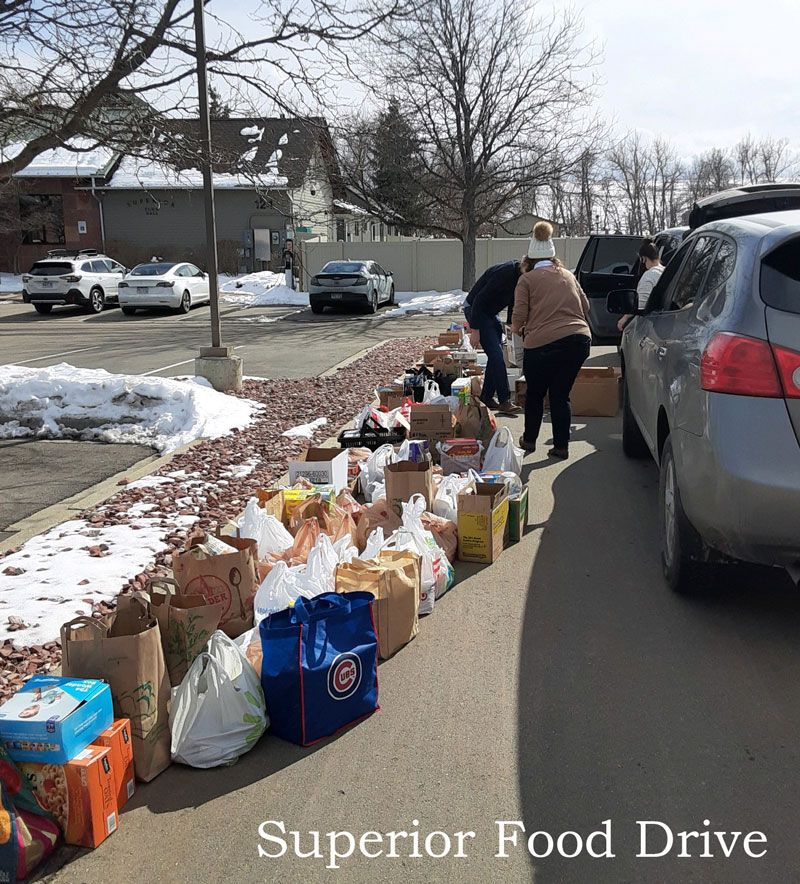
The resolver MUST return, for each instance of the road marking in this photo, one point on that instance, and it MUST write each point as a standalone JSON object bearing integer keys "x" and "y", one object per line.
{"x": 53, "y": 355}
{"x": 176, "y": 364}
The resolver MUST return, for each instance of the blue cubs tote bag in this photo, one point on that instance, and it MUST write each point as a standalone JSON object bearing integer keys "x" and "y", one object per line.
{"x": 320, "y": 666}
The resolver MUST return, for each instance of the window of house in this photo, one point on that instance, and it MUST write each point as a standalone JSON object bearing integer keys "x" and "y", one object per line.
{"x": 374, "y": 232}
{"x": 340, "y": 231}
{"x": 41, "y": 218}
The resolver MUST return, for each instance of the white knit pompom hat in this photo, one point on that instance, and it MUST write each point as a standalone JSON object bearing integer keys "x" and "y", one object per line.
{"x": 541, "y": 244}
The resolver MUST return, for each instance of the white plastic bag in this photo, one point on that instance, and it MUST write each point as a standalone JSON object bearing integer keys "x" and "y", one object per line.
{"x": 218, "y": 711}
{"x": 502, "y": 455}
{"x": 430, "y": 392}
{"x": 437, "y": 572}
{"x": 445, "y": 503}
{"x": 270, "y": 534}
{"x": 279, "y": 590}
{"x": 376, "y": 492}
{"x": 372, "y": 469}
{"x": 375, "y": 543}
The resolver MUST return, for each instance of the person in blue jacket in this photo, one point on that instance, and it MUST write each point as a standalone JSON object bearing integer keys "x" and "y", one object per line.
{"x": 491, "y": 294}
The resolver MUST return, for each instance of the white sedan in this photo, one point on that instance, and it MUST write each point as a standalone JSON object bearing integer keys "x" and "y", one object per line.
{"x": 178, "y": 285}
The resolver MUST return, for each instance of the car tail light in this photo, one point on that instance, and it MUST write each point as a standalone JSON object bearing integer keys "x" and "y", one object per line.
{"x": 72, "y": 278}
{"x": 26, "y": 277}
{"x": 314, "y": 280}
{"x": 123, "y": 285}
{"x": 739, "y": 365}
{"x": 788, "y": 362}
{"x": 164, "y": 285}
{"x": 359, "y": 281}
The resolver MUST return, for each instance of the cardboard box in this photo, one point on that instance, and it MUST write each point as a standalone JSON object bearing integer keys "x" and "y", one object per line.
{"x": 80, "y": 794}
{"x": 517, "y": 516}
{"x": 433, "y": 439}
{"x": 482, "y": 523}
{"x": 450, "y": 339}
{"x": 390, "y": 396}
{"x": 471, "y": 371}
{"x": 430, "y": 419}
{"x": 430, "y": 356}
{"x": 282, "y": 502}
{"x": 52, "y": 719}
{"x": 404, "y": 479}
{"x": 117, "y": 739}
{"x": 596, "y": 392}
{"x": 322, "y": 466}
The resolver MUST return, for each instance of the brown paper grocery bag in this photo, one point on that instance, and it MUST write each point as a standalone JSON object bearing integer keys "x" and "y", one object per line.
{"x": 186, "y": 623}
{"x": 125, "y": 650}
{"x": 475, "y": 421}
{"x": 406, "y": 478}
{"x": 229, "y": 579}
{"x": 394, "y": 579}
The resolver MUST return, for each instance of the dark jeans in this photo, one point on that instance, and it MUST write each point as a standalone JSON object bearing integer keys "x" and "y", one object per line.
{"x": 495, "y": 376}
{"x": 552, "y": 369}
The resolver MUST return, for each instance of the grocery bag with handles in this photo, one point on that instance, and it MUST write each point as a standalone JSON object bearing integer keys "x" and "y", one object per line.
{"x": 320, "y": 665}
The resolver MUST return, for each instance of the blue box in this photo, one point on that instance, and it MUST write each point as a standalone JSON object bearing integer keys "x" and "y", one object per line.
{"x": 53, "y": 719}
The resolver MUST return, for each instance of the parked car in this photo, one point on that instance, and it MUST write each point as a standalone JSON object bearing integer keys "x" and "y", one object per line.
{"x": 351, "y": 283}
{"x": 83, "y": 278}
{"x": 711, "y": 390}
{"x": 609, "y": 262}
{"x": 175, "y": 284}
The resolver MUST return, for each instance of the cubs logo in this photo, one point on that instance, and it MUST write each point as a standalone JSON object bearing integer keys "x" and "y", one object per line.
{"x": 344, "y": 676}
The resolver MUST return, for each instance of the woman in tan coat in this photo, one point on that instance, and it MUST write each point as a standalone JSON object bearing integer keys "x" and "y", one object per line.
{"x": 550, "y": 312}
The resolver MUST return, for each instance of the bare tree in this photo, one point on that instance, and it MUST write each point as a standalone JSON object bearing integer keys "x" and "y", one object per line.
{"x": 64, "y": 63}
{"x": 711, "y": 172}
{"x": 493, "y": 94}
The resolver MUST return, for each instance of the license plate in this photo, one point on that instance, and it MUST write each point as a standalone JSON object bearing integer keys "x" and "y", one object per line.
{"x": 142, "y": 289}
{"x": 337, "y": 296}
{"x": 47, "y": 285}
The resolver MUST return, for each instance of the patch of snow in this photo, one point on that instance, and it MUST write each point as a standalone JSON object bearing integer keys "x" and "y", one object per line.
{"x": 260, "y": 289}
{"x": 61, "y": 401}
{"x": 306, "y": 431}
{"x": 284, "y": 139}
{"x": 240, "y": 471}
{"x": 151, "y": 482}
{"x": 250, "y": 155}
{"x": 427, "y": 302}
{"x": 253, "y": 132}
{"x": 274, "y": 159}
{"x": 49, "y": 593}
{"x": 82, "y": 157}
{"x": 9, "y": 283}
{"x": 134, "y": 173}
{"x": 350, "y": 207}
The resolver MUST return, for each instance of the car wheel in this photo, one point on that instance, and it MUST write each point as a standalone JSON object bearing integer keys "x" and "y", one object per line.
{"x": 391, "y": 297}
{"x": 682, "y": 548}
{"x": 129, "y": 311}
{"x": 317, "y": 308}
{"x": 186, "y": 303}
{"x": 43, "y": 308}
{"x": 97, "y": 300}
{"x": 633, "y": 443}
{"x": 372, "y": 306}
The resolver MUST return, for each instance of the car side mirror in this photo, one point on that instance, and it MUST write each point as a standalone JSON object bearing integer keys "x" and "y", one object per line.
{"x": 622, "y": 302}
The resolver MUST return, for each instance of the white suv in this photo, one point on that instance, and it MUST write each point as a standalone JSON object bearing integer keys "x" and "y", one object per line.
{"x": 85, "y": 279}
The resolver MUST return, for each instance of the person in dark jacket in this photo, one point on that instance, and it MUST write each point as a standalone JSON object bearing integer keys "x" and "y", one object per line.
{"x": 491, "y": 294}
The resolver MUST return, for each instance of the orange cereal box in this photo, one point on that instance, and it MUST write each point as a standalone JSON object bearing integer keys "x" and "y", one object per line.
{"x": 80, "y": 794}
{"x": 117, "y": 739}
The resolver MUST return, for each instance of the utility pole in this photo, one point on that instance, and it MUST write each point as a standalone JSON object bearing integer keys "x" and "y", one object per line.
{"x": 215, "y": 363}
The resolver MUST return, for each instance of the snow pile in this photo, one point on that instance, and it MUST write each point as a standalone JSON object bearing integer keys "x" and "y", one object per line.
{"x": 10, "y": 283}
{"x": 427, "y": 302}
{"x": 134, "y": 173}
{"x": 64, "y": 401}
{"x": 306, "y": 431}
{"x": 261, "y": 289}
{"x": 82, "y": 157}
{"x": 61, "y": 573}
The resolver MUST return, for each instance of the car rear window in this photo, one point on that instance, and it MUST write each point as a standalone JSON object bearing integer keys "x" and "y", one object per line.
{"x": 616, "y": 255}
{"x": 151, "y": 269}
{"x": 51, "y": 268}
{"x": 780, "y": 277}
{"x": 342, "y": 267}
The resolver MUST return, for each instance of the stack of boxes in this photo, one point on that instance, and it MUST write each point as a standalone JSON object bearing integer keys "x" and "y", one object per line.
{"x": 432, "y": 423}
{"x": 77, "y": 758}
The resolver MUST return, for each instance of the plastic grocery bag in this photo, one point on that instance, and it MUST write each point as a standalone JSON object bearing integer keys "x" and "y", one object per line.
{"x": 431, "y": 391}
{"x": 372, "y": 469}
{"x": 502, "y": 455}
{"x": 218, "y": 711}
{"x": 266, "y": 530}
{"x": 445, "y": 502}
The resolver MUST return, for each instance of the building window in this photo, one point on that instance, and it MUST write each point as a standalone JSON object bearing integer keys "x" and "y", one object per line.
{"x": 41, "y": 219}
{"x": 374, "y": 232}
{"x": 340, "y": 231}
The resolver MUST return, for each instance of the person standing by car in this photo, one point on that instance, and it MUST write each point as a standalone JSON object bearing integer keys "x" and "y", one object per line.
{"x": 550, "y": 312}
{"x": 653, "y": 268}
{"x": 491, "y": 294}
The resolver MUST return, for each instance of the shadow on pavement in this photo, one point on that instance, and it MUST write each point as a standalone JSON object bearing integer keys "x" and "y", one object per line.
{"x": 638, "y": 704}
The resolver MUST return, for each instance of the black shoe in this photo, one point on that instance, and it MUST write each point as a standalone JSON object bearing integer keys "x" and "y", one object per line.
{"x": 491, "y": 403}
{"x": 530, "y": 447}
{"x": 560, "y": 453}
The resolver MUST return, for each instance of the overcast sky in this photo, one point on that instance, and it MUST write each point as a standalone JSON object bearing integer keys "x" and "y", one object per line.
{"x": 702, "y": 72}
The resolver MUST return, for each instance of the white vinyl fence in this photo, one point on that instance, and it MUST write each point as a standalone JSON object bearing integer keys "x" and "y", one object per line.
{"x": 423, "y": 265}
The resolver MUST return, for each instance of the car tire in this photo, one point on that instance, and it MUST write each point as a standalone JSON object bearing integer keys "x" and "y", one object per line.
{"x": 186, "y": 303}
{"x": 682, "y": 548}
{"x": 391, "y": 297}
{"x": 633, "y": 443}
{"x": 317, "y": 308}
{"x": 97, "y": 300}
{"x": 44, "y": 309}
{"x": 372, "y": 306}
{"x": 129, "y": 311}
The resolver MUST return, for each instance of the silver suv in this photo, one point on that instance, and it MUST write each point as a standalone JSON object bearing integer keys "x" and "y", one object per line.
{"x": 711, "y": 374}
{"x": 84, "y": 278}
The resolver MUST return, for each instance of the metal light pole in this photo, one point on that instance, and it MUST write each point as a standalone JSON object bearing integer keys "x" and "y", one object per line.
{"x": 216, "y": 363}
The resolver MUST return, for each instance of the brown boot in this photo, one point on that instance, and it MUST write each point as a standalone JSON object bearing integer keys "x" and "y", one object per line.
{"x": 508, "y": 407}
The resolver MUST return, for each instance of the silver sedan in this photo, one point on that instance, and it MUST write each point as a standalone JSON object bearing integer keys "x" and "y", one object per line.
{"x": 351, "y": 283}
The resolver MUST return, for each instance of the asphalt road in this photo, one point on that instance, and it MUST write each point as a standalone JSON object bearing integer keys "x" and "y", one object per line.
{"x": 273, "y": 341}
{"x": 562, "y": 686}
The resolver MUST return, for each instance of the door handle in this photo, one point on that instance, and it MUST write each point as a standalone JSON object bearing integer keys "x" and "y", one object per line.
{"x": 662, "y": 352}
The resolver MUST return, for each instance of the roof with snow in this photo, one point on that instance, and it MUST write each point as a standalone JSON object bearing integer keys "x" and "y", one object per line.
{"x": 80, "y": 158}
{"x": 271, "y": 152}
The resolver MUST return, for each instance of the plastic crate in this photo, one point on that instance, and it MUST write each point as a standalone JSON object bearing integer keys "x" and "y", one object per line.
{"x": 371, "y": 437}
